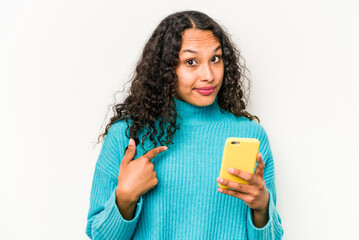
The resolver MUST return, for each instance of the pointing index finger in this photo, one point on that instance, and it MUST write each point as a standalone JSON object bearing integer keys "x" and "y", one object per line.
{"x": 154, "y": 152}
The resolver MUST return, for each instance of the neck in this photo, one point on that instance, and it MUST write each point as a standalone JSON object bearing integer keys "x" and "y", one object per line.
{"x": 191, "y": 113}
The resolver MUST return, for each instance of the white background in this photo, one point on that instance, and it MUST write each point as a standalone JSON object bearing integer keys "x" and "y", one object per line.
{"x": 62, "y": 61}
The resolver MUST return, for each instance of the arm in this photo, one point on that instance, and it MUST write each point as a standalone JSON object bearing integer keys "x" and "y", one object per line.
{"x": 260, "y": 218}
{"x": 125, "y": 206}
{"x": 272, "y": 229}
{"x": 105, "y": 220}
{"x": 263, "y": 221}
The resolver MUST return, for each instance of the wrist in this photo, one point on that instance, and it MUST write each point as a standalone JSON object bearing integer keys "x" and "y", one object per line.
{"x": 125, "y": 197}
{"x": 264, "y": 208}
{"x": 126, "y": 205}
{"x": 261, "y": 211}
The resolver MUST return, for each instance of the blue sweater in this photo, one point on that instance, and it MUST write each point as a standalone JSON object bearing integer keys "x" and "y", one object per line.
{"x": 185, "y": 204}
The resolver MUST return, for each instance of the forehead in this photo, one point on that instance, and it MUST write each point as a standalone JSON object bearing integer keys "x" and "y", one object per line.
{"x": 198, "y": 39}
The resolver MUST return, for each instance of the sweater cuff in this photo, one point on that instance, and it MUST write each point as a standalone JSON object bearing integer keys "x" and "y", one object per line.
{"x": 269, "y": 231}
{"x": 112, "y": 225}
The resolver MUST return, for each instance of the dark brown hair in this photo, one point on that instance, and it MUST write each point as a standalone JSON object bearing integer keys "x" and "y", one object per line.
{"x": 152, "y": 91}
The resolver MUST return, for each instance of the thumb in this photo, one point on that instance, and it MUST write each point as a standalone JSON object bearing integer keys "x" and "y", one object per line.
{"x": 130, "y": 152}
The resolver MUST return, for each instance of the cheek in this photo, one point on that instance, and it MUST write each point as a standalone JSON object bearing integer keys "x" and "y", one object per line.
{"x": 185, "y": 80}
{"x": 219, "y": 75}
{"x": 220, "y": 71}
{"x": 183, "y": 86}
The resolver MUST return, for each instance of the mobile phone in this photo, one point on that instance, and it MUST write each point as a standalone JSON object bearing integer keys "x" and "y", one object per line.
{"x": 238, "y": 153}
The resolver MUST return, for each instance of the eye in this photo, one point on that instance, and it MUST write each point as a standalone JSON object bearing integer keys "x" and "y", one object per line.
{"x": 191, "y": 62}
{"x": 216, "y": 58}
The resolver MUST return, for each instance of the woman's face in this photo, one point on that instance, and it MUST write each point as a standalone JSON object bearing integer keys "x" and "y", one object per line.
{"x": 200, "y": 69}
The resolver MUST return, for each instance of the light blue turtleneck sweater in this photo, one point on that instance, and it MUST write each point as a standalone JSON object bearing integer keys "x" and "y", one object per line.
{"x": 185, "y": 204}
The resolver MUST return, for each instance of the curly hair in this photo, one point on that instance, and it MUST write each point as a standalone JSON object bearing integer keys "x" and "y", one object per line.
{"x": 151, "y": 97}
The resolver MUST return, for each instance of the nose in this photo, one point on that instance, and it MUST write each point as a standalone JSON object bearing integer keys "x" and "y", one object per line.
{"x": 206, "y": 73}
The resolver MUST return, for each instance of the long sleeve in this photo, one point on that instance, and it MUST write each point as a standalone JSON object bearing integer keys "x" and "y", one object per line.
{"x": 273, "y": 229}
{"x": 186, "y": 174}
{"x": 104, "y": 219}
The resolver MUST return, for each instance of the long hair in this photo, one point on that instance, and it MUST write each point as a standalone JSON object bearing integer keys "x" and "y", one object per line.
{"x": 150, "y": 106}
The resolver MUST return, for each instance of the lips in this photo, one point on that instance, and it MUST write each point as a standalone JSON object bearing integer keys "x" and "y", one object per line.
{"x": 205, "y": 90}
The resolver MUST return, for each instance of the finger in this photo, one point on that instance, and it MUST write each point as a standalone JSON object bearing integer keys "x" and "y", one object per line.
{"x": 154, "y": 152}
{"x": 130, "y": 152}
{"x": 240, "y": 187}
{"x": 245, "y": 197}
{"x": 260, "y": 166}
{"x": 242, "y": 174}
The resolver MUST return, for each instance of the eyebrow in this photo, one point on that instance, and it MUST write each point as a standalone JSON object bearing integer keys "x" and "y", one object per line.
{"x": 192, "y": 51}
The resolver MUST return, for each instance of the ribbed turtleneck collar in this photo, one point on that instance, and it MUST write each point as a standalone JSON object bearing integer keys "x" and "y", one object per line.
{"x": 189, "y": 112}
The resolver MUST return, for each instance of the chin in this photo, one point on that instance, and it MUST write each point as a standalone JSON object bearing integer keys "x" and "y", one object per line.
{"x": 203, "y": 101}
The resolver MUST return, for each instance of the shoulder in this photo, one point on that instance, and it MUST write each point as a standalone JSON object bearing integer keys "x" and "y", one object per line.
{"x": 251, "y": 129}
{"x": 112, "y": 150}
{"x": 115, "y": 137}
{"x": 247, "y": 125}
{"x": 117, "y": 130}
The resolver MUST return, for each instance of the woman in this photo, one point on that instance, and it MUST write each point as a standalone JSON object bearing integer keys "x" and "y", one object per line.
{"x": 156, "y": 175}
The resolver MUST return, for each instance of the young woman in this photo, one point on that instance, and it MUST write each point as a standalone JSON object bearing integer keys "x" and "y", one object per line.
{"x": 156, "y": 175}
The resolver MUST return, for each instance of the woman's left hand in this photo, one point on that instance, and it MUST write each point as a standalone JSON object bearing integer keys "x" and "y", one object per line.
{"x": 255, "y": 193}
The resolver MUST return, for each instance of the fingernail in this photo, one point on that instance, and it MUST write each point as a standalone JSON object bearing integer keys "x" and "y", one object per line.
{"x": 220, "y": 180}
{"x": 165, "y": 148}
{"x": 132, "y": 142}
{"x": 230, "y": 170}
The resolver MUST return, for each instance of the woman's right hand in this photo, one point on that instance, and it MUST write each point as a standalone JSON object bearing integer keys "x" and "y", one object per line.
{"x": 136, "y": 177}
